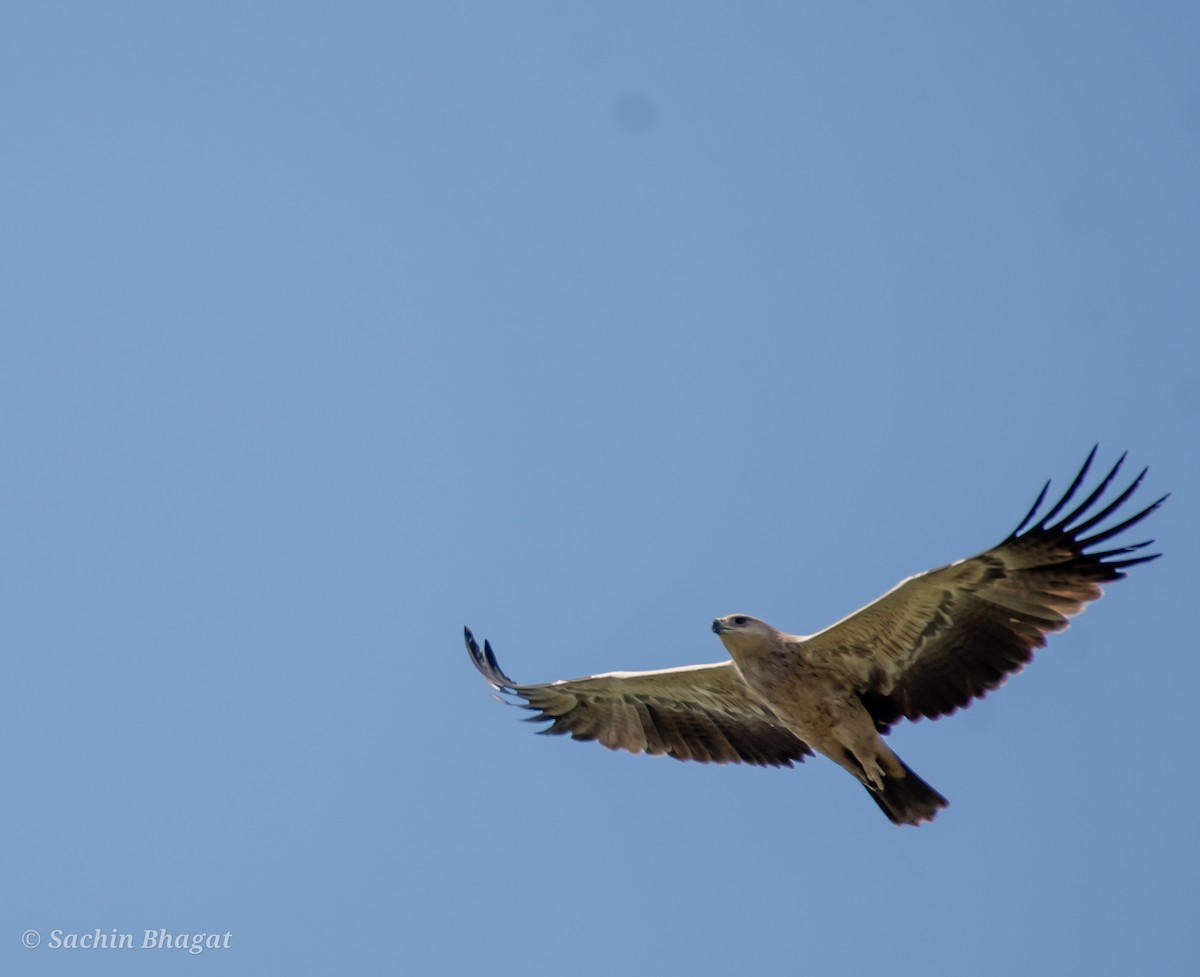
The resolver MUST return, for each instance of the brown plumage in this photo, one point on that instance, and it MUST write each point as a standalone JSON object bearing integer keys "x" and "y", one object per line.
{"x": 924, "y": 649}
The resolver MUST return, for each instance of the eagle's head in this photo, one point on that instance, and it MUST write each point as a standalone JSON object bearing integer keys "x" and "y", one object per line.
{"x": 742, "y": 630}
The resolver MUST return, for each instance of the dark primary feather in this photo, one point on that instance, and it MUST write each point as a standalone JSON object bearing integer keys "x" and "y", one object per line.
{"x": 997, "y": 608}
{"x": 702, "y": 712}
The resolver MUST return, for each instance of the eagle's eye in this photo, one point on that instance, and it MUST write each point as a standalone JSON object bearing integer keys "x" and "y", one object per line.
{"x": 740, "y": 621}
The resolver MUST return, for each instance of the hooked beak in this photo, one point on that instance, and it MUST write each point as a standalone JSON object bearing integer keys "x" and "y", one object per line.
{"x": 718, "y": 627}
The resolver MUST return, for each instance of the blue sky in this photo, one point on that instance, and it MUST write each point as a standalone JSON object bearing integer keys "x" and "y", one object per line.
{"x": 331, "y": 328}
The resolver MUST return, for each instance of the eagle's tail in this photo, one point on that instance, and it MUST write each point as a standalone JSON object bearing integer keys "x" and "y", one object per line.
{"x": 908, "y": 799}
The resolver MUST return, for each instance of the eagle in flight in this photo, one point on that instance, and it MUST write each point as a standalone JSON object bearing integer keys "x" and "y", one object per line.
{"x": 927, "y": 647}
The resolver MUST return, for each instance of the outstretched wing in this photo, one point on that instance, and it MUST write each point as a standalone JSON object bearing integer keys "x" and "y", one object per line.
{"x": 700, "y": 712}
{"x": 939, "y": 639}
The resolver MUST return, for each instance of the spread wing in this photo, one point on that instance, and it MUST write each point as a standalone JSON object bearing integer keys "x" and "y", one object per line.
{"x": 942, "y": 638}
{"x": 700, "y": 712}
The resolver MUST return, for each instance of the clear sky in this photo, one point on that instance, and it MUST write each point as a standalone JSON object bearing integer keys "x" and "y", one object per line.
{"x": 330, "y": 328}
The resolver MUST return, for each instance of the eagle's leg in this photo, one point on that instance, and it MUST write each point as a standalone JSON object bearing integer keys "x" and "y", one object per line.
{"x": 866, "y": 768}
{"x": 867, "y": 756}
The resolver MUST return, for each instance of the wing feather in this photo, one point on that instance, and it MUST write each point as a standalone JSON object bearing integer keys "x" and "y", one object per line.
{"x": 701, "y": 712}
{"x": 940, "y": 639}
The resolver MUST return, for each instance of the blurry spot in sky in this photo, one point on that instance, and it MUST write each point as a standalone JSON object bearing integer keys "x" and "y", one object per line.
{"x": 636, "y": 112}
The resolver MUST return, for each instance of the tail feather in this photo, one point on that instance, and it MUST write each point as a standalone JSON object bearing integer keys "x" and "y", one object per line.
{"x": 908, "y": 799}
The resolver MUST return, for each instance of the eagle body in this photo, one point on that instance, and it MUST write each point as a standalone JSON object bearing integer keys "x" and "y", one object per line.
{"x": 812, "y": 697}
{"x": 928, "y": 647}
{"x": 816, "y": 698}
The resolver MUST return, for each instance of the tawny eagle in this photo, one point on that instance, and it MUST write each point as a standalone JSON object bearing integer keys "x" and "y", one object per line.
{"x": 924, "y": 649}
